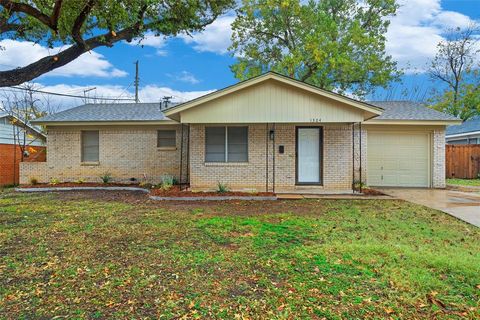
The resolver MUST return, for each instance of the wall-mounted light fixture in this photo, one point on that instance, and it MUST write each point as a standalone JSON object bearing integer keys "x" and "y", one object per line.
{"x": 272, "y": 134}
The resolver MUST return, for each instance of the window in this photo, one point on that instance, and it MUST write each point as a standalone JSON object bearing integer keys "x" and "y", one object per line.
{"x": 167, "y": 139}
{"x": 226, "y": 144}
{"x": 90, "y": 146}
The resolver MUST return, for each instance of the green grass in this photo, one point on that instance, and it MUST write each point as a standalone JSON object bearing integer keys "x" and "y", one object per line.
{"x": 464, "y": 182}
{"x": 87, "y": 258}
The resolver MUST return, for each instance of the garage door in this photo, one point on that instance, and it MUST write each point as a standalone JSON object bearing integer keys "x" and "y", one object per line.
{"x": 396, "y": 159}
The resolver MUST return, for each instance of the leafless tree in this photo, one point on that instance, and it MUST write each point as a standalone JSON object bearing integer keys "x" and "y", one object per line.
{"x": 455, "y": 58}
{"x": 23, "y": 106}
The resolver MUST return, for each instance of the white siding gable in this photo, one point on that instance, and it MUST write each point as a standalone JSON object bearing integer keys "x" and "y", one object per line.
{"x": 272, "y": 101}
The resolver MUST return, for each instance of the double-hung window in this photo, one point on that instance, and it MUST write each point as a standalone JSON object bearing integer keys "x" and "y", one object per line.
{"x": 226, "y": 144}
{"x": 90, "y": 146}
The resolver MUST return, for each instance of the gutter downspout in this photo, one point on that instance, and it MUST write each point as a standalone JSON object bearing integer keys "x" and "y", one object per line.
{"x": 273, "y": 158}
{"x": 266, "y": 156}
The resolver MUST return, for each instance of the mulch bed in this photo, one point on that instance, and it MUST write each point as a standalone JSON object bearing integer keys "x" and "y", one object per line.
{"x": 79, "y": 185}
{"x": 372, "y": 192}
{"x": 175, "y": 192}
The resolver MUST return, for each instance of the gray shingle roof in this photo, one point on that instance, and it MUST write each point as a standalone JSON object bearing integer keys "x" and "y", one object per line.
{"x": 408, "y": 110}
{"x": 393, "y": 110}
{"x": 108, "y": 112}
{"x": 471, "y": 125}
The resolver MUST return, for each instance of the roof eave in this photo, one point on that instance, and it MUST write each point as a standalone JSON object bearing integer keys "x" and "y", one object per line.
{"x": 413, "y": 122}
{"x": 462, "y": 134}
{"x": 40, "y": 133}
{"x": 106, "y": 123}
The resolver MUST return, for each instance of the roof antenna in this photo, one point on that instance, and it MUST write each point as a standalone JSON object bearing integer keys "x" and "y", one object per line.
{"x": 85, "y": 99}
{"x": 166, "y": 101}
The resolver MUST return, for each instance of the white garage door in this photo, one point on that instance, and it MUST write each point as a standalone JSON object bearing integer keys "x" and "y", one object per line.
{"x": 398, "y": 159}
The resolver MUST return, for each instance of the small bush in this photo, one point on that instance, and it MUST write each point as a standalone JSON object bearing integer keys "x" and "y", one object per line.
{"x": 145, "y": 185}
{"x": 222, "y": 188}
{"x": 80, "y": 181}
{"x": 167, "y": 182}
{"x": 106, "y": 177}
{"x": 357, "y": 184}
{"x": 33, "y": 181}
{"x": 54, "y": 181}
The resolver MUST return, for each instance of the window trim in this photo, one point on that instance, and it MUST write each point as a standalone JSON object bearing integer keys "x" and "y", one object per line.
{"x": 174, "y": 147}
{"x": 82, "y": 161}
{"x": 226, "y": 146}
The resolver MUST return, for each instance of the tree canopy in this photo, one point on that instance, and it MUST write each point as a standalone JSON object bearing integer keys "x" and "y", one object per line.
{"x": 84, "y": 25}
{"x": 334, "y": 44}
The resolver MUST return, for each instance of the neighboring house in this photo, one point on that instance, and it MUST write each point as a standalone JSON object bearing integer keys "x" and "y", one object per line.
{"x": 267, "y": 133}
{"x": 465, "y": 133}
{"x": 17, "y": 137}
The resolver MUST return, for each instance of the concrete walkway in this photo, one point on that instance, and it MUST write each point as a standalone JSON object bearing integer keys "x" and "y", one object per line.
{"x": 462, "y": 205}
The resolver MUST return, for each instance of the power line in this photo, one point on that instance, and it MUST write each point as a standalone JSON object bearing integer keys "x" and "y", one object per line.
{"x": 69, "y": 95}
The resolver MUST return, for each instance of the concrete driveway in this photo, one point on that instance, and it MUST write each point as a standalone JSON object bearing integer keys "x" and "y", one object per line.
{"x": 462, "y": 205}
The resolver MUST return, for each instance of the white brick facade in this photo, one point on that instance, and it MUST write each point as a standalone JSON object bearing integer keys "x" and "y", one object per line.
{"x": 337, "y": 160}
{"x": 124, "y": 152}
{"x": 130, "y": 152}
{"x": 439, "y": 158}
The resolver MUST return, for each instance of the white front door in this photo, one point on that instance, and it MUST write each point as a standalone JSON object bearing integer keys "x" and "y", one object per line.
{"x": 308, "y": 155}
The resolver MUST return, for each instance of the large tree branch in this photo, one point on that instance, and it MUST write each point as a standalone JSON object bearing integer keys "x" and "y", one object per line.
{"x": 79, "y": 21}
{"x": 56, "y": 15}
{"x": 49, "y": 63}
{"x": 12, "y": 6}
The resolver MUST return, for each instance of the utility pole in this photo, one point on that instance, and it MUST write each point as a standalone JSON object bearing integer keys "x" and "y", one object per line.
{"x": 136, "y": 82}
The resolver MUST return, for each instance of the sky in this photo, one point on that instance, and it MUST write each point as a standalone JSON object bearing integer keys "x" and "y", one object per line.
{"x": 186, "y": 67}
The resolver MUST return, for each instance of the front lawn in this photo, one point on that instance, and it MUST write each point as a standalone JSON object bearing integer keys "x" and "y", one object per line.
{"x": 98, "y": 255}
{"x": 464, "y": 182}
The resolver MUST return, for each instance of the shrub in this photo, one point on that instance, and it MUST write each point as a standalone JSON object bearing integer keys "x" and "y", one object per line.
{"x": 357, "y": 184}
{"x": 167, "y": 182}
{"x": 106, "y": 177}
{"x": 222, "y": 188}
{"x": 33, "y": 181}
{"x": 80, "y": 181}
{"x": 145, "y": 185}
{"x": 54, "y": 181}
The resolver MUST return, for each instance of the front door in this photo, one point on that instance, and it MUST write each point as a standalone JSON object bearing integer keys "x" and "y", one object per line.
{"x": 309, "y": 147}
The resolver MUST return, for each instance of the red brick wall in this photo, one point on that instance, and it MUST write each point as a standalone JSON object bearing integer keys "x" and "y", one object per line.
{"x": 9, "y": 161}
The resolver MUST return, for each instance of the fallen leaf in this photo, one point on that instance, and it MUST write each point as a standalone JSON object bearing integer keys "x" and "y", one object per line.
{"x": 389, "y": 310}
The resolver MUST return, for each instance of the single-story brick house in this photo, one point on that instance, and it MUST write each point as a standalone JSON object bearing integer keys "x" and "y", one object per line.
{"x": 267, "y": 133}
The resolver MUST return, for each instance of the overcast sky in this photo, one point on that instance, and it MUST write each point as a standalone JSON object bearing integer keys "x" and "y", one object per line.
{"x": 186, "y": 67}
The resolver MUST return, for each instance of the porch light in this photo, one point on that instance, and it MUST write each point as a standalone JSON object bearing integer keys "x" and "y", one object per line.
{"x": 272, "y": 134}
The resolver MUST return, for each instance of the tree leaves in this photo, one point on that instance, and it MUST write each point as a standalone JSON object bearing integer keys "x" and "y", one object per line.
{"x": 336, "y": 45}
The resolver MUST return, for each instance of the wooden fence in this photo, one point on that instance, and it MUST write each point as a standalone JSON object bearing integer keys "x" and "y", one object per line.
{"x": 463, "y": 161}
